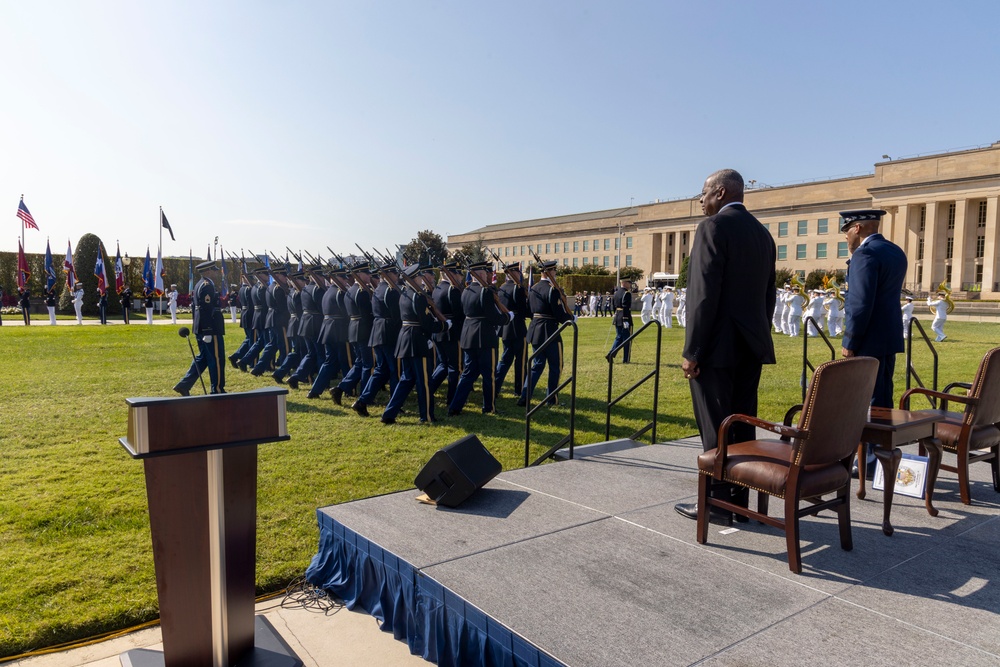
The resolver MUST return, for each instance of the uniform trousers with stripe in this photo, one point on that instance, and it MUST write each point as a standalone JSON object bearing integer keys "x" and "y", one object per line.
{"x": 334, "y": 366}
{"x": 514, "y": 355}
{"x": 551, "y": 356}
{"x": 251, "y": 355}
{"x": 313, "y": 357}
{"x": 245, "y": 346}
{"x": 385, "y": 370}
{"x": 478, "y": 362}
{"x": 448, "y": 356}
{"x": 208, "y": 357}
{"x": 293, "y": 357}
{"x": 277, "y": 344}
{"x": 361, "y": 369}
{"x": 415, "y": 374}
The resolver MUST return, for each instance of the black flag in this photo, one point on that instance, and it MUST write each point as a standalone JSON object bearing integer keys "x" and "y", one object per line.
{"x": 166, "y": 225}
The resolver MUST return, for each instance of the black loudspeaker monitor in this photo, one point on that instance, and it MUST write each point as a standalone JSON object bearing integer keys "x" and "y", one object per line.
{"x": 457, "y": 471}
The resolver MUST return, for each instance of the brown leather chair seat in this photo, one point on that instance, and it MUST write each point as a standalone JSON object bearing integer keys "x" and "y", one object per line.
{"x": 763, "y": 465}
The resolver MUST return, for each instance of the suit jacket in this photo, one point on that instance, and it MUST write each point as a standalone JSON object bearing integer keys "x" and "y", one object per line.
{"x": 622, "y": 302}
{"x": 547, "y": 312}
{"x": 730, "y": 290}
{"x": 873, "y": 325}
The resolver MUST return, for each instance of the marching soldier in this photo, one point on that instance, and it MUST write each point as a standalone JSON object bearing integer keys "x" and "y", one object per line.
{"x": 479, "y": 339}
{"x": 548, "y": 311}
{"x": 622, "y": 303}
{"x": 413, "y": 348}
{"x": 209, "y": 329}
{"x": 332, "y": 331}
{"x": 311, "y": 295}
{"x": 275, "y": 323}
{"x": 514, "y": 334}
{"x": 246, "y": 319}
{"x": 126, "y": 296}
{"x": 24, "y": 300}
{"x": 385, "y": 331}
{"x": 447, "y": 297}
{"x": 258, "y": 296}
{"x": 172, "y": 303}
{"x": 296, "y": 281}
{"x": 359, "y": 309}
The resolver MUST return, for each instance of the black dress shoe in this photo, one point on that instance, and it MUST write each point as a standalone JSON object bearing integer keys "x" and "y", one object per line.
{"x": 242, "y": 365}
{"x": 232, "y": 360}
{"x": 337, "y": 393}
{"x": 293, "y": 383}
{"x": 454, "y": 413}
{"x": 181, "y": 390}
{"x": 388, "y": 420}
{"x": 311, "y": 395}
{"x": 718, "y": 517}
{"x": 278, "y": 378}
{"x": 256, "y": 373}
{"x": 360, "y": 408}
{"x": 521, "y": 403}
{"x": 690, "y": 510}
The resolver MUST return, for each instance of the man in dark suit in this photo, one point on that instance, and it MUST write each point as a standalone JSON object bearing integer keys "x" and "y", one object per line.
{"x": 873, "y": 325}
{"x": 730, "y": 301}
{"x": 208, "y": 328}
{"x": 622, "y": 303}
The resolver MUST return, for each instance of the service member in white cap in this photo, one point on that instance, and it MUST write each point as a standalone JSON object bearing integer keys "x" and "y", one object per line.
{"x": 939, "y": 307}
{"x": 78, "y": 301}
{"x": 172, "y": 296}
{"x": 907, "y": 316}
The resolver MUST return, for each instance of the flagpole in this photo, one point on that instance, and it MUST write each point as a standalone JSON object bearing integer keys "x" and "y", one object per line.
{"x": 160, "y": 253}
{"x": 22, "y": 226}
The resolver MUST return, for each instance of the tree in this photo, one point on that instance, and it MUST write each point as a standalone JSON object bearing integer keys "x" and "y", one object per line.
{"x": 84, "y": 260}
{"x": 427, "y": 247}
{"x": 814, "y": 279}
{"x": 682, "y": 277}
{"x": 633, "y": 273}
{"x": 473, "y": 252}
{"x": 590, "y": 270}
{"x": 782, "y": 277}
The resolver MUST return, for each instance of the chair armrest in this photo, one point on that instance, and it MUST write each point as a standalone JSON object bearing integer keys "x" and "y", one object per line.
{"x": 963, "y": 385}
{"x": 780, "y": 429}
{"x": 904, "y": 400}
{"x": 787, "y": 421}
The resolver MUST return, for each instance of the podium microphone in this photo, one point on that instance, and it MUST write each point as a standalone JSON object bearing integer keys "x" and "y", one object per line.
{"x": 184, "y": 332}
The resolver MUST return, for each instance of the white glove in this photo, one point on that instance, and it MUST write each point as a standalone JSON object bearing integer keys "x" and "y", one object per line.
{"x": 206, "y": 339}
{"x": 625, "y": 325}
{"x": 430, "y": 345}
{"x": 448, "y": 322}
{"x": 511, "y": 313}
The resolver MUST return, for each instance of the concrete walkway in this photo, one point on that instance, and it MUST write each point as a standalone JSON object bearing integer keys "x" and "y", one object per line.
{"x": 340, "y": 638}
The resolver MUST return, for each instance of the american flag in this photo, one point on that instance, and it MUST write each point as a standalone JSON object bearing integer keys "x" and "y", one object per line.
{"x": 25, "y": 215}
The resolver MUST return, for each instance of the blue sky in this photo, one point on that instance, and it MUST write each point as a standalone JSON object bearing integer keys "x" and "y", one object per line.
{"x": 328, "y": 123}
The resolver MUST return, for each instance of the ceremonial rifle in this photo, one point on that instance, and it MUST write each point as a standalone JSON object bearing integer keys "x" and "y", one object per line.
{"x": 552, "y": 279}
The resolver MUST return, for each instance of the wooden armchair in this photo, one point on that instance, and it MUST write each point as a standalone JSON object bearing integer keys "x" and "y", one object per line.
{"x": 813, "y": 458}
{"x": 973, "y": 435}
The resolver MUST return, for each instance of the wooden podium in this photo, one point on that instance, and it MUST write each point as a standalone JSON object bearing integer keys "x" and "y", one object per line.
{"x": 200, "y": 458}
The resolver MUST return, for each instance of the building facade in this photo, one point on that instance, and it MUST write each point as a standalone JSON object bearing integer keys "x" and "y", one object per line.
{"x": 941, "y": 209}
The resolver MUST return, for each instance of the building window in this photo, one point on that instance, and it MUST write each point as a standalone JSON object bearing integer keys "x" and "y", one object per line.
{"x": 981, "y": 220}
{"x": 767, "y": 226}
{"x": 980, "y": 247}
{"x": 920, "y": 274}
{"x": 920, "y": 249}
{"x": 506, "y": 251}
{"x": 586, "y": 246}
{"x": 547, "y": 249}
{"x": 820, "y": 251}
{"x": 566, "y": 246}
{"x": 594, "y": 261}
{"x": 576, "y": 247}
{"x": 628, "y": 260}
{"x": 979, "y": 273}
{"x": 628, "y": 244}
{"x": 618, "y": 242}
{"x": 947, "y": 273}
{"x": 565, "y": 262}
{"x": 802, "y": 274}
{"x": 670, "y": 258}
{"x": 670, "y": 239}
{"x": 800, "y": 251}
{"x": 683, "y": 256}
{"x": 684, "y": 238}
{"x": 822, "y": 226}
{"x": 605, "y": 261}
{"x": 803, "y": 228}
{"x": 951, "y": 216}
{"x": 522, "y": 250}
{"x": 607, "y": 244}
{"x": 783, "y": 253}
{"x": 575, "y": 262}
{"x": 616, "y": 261}
{"x": 842, "y": 249}
{"x": 782, "y": 229}
{"x": 596, "y": 241}
{"x": 949, "y": 248}
{"x": 586, "y": 261}
{"x": 923, "y": 218}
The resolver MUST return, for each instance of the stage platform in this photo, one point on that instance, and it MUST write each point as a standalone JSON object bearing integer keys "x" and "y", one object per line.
{"x": 585, "y": 563}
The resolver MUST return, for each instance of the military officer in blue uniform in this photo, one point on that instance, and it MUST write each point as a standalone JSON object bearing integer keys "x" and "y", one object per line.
{"x": 514, "y": 334}
{"x": 385, "y": 330}
{"x": 296, "y": 345}
{"x": 413, "y": 350}
{"x": 447, "y": 297}
{"x": 275, "y": 323}
{"x": 309, "y": 326}
{"x": 246, "y": 319}
{"x": 258, "y": 297}
{"x": 332, "y": 330}
{"x": 479, "y": 339}
{"x": 209, "y": 329}
{"x": 547, "y": 312}
{"x": 358, "y": 304}
{"x": 622, "y": 303}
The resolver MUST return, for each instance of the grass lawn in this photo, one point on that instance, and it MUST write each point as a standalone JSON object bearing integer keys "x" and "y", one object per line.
{"x": 75, "y": 556}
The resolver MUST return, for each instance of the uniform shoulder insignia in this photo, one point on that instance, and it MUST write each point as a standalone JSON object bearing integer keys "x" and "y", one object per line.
{"x": 208, "y": 298}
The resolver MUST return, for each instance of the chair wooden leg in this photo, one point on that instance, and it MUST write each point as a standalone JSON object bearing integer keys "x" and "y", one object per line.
{"x": 703, "y": 483}
{"x": 762, "y": 499}
{"x": 962, "y": 464}
{"x": 844, "y": 519}
{"x": 996, "y": 468}
{"x": 792, "y": 533}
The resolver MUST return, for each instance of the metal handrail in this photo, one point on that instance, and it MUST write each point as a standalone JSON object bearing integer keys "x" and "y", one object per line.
{"x": 910, "y": 370}
{"x": 805, "y": 350}
{"x": 528, "y": 410}
{"x": 653, "y": 374}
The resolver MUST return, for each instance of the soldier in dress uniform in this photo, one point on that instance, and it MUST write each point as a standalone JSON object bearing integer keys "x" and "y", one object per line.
{"x": 296, "y": 346}
{"x": 246, "y": 319}
{"x": 172, "y": 303}
{"x": 548, "y": 311}
{"x": 385, "y": 330}
{"x": 209, "y": 328}
{"x": 311, "y": 295}
{"x": 148, "y": 304}
{"x": 77, "y": 302}
{"x": 358, "y": 303}
{"x": 50, "y": 304}
{"x": 258, "y": 296}
{"x": 907, "y": 311}
{"x": 447, "y": 297}
{"x": 102, "y": 306}
{"x": 24, "y": 300}
{"x": 332, "y": 336}
{"x": 514, "y": 334}
{"x": 479, "y": 339}
{"x": 275, "y": 323}
{"x": 126, "y": 295}
{"x": 622, "y": 303}
{"x": 413, "y": 350}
